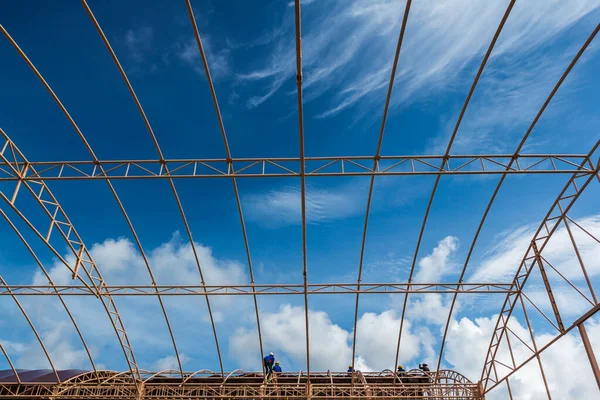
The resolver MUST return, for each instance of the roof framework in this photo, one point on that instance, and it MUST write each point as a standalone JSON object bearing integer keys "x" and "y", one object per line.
{"x": 32, "y": 179}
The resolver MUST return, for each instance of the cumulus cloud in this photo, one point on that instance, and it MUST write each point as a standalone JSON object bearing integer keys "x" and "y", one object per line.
{"x": 433, "y": 308}
{"x": 63, "y": 353}
{"x": 172, "y": 262}
{"x": 170, "y": 362}
{"x": 121, "y": 263}
{"x": 468, "y": 341}
{"x": 330, "y": 347}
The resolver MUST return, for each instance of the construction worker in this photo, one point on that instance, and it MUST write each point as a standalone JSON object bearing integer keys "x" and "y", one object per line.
{"x": 424, "y": 367}
{"x": 277, "y": 368}
{"x": 401, "y": 372}
{"x": 350, "y": 369}
{"x": 268, "y": 363}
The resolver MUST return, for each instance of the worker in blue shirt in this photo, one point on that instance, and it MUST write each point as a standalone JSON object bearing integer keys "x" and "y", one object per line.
{"x": 277, "y": 368}
{"x": 350, "y": 369}
{"x": 268, "y": 362}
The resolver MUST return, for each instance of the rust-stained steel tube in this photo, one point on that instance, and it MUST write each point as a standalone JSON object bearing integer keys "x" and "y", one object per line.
{"x": 106, "y": 300}
{"x": 56, "y": 292}
{"x": 35, "y": 332}
{"x": 10, "y": 363}
{"x": 298, "y": 23}
{"x": 503, "y": 177}
{"x": 521, "y": 277}
{"x": 228, "y": 152}
{"x": 172, "y": 184}
{"x": 590, "y": 352}
{"x": 445, "y": 161}
{"x": 375, "y": 167}
{"x": 537, "y": 354}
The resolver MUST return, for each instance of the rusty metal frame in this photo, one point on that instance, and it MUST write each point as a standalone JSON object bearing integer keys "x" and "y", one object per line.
{"x": 136, "y": 383}
{"x": 171, "y": 183}
{"x": 298, "y": 37}
{"x": 230, "y": 164}
{"x": 375, "y": 168}
{"x": 53, "y": 290}
{"x": 59, "y": 221}
{"x": 264, "y": 289}
{"x": 273, "y": 167}
{"x": 444, "y": 162}
{"x": 109, "y": 384}
{"x": 503, "y": 177}
{"x": 549, "y": 225}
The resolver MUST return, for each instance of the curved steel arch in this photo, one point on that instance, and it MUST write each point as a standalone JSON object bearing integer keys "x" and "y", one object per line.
{"x": 503, "y": 177}
{"x": 554, "y": 217}
{"x": 59, "y": 218}
{"x": 448, "y": 148}
{"x": 172, "y": 184}
{"x": 11, "y": 365}
{"x": 120, "y": 204}
{"x": 49, "y": 278}
{"x": 375, "y": 167}
{"x": 228, "y": 152}
{"x": 35, "y": 332}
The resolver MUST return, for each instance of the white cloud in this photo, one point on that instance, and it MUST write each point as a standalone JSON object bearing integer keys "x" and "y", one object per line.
{"x": 139, "y": 42}
{"x": 433, "y": 267}
{"x": 121, "y": 264}
{"x": 172, "y": 262}
{"x": 218, "y": 60}
{"x": 433, "y": 308}
{"x": 441, "y": 41}
{"x": 283, "y": 206}
{"x": 170, "y": 362}
{"x": 330, "y": 347}
{"x": 467, "y": 346}
{"x": 502, "y": 262}
{"x": 63, "y": 352}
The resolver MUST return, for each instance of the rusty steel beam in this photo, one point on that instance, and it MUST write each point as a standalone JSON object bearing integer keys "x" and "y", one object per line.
{"x": 273, "y": 167}
{"x": 228, "y": 153}
{"x": 261, "y": 289}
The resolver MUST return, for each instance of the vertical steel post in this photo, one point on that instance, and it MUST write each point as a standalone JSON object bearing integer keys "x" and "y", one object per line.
{"x": 590, "y": 352}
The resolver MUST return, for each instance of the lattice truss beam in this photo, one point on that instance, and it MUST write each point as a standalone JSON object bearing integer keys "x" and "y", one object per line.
{"x": 289, "y": 167}
{"x": 23, "y": 176}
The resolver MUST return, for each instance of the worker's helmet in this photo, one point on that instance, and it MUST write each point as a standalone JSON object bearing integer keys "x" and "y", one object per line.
{"x": 277, "y": 363}
{"x": 271, "y": 353}
{"x": 400, "y": 366}
{"x": 424, "y": 365}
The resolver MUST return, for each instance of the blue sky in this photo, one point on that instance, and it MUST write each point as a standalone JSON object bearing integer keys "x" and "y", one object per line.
{"x": 348, "y": 51}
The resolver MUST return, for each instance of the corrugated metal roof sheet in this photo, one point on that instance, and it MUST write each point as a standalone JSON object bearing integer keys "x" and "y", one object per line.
{"x": 38, "y": 375}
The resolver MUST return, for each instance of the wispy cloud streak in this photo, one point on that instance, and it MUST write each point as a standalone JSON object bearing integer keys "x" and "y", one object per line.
{"x": 348, "y": 48}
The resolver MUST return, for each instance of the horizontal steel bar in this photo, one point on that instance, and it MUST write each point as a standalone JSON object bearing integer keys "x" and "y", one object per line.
{"x": 290, "y": 167}
{"x": 276, "y": 289}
